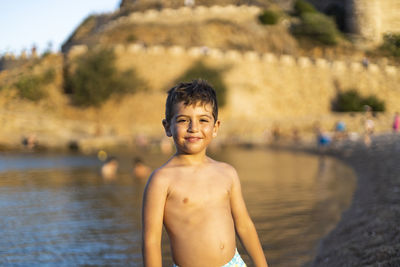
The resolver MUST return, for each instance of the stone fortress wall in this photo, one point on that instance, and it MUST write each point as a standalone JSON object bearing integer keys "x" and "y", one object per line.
{"x": 262, "y": 88}
{"x": 187, "y": 14}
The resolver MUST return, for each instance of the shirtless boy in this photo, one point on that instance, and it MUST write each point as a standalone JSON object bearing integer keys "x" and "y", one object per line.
{"x": 198, "y": 199}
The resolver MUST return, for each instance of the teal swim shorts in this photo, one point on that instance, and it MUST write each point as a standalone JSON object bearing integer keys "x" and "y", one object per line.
{"x": 236, "y": 261}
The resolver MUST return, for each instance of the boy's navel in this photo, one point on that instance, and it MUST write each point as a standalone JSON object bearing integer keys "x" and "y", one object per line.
{"x": 185, "y": 200}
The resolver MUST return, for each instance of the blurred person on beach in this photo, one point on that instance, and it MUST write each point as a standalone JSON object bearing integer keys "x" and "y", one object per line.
{"x": 323, "y": 139}
{"x": 140, "y": 170}
{"x": 296, "y": 135}
{"x": 276, "y": 132}
{"x": 30, "y": 142}
{"x": 166, "y": 146}
{"x": 396, "y": 122}
{"x": 142, "y": 142}
{"x": 369, "y": 126}
{"x": 110, "y": 168}
{"x": 340, "y": 131}
{"x": 199, "y": 200}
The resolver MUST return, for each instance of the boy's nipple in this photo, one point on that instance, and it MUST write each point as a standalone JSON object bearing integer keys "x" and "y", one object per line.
{"x": 185, "y": 200}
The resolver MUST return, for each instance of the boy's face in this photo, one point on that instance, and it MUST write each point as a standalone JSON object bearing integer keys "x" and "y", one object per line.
{"x": 192, "y": 127}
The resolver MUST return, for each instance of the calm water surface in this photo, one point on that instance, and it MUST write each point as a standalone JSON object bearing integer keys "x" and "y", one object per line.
{"x": 58, "y": 211}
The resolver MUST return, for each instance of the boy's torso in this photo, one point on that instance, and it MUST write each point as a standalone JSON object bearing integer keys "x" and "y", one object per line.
{"x": 197, "y": 215}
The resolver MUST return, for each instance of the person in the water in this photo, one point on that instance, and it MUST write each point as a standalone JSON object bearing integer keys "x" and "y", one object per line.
{"x": 198, "y": 199}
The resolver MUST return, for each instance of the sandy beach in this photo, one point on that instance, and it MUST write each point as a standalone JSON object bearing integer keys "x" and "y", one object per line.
{"x": 368, "y": 233}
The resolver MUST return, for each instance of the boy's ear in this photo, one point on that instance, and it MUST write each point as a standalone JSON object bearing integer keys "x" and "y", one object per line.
{"x": 216, "y": 127}
{"x": 166, "y": 128}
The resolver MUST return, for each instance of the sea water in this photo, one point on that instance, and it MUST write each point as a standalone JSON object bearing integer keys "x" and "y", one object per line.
{"x": 57, "y": 210}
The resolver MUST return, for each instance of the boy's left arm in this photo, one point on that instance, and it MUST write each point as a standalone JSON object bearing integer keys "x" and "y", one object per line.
{"x": 244, "y": 225}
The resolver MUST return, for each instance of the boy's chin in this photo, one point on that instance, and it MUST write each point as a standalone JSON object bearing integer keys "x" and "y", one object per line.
{"x": 191, "y": 150}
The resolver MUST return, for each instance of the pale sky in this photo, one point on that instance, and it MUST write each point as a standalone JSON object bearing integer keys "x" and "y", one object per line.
{"x": 27, "y": 22}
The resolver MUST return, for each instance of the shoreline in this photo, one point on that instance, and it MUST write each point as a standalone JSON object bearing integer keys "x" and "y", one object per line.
{"x": 368, "y": 233}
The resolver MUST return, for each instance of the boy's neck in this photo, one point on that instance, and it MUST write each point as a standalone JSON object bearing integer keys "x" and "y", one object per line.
{"x": 191, "y": 159}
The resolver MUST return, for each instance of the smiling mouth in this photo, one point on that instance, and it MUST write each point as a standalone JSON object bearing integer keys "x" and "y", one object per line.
{"x": 192, "y": 139}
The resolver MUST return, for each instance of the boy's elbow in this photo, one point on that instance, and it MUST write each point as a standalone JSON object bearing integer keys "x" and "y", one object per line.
{"x": 245, "y": 226}
{"x": 151, "y": 242}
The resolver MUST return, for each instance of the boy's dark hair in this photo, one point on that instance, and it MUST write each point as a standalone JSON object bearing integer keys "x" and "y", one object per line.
{"x": 196, "y": 91}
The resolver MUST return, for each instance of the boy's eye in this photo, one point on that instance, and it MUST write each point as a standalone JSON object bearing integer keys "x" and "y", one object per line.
{"x": 204, "y": 120}
{"x": 181, "y": 120}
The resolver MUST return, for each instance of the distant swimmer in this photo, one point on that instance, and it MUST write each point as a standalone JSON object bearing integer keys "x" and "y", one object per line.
{"x": 140, "y": 170}
{"x": 396, "y": 122}
{"x": 110, "y": 168}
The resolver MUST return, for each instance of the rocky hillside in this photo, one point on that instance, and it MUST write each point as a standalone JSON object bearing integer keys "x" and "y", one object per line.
{"x": 217, "y": 32}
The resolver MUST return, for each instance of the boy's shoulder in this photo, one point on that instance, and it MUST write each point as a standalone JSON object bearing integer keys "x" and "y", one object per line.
{"x": 223, "y": 165}
{"x": 225, "y": 169}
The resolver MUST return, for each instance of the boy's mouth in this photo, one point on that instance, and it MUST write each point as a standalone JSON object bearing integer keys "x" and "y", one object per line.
{"x": 192, "y": 139}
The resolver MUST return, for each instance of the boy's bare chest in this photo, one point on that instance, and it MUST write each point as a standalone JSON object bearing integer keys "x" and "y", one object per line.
{"x": 199, "y": 189}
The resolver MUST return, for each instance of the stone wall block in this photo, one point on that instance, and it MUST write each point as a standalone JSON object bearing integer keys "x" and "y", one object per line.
{"x": 356, "y": 66}
{"x": 304, "y": 62}
{"x": 230, "y": 8}
{"x": 269, "y": 58}
{"x": 216, "y": 9}
{"x": 151, "y": 14}
{"x": 157, "y": 49}
{"x": 168, "y": 12}
{"x": 136, "y": 48}
{"x": 200, "y": 10}
{"x": 391, "y": 70}
{"x": 287, "y": 60}
{"x": 251, "y": 56}
{"x": 233, "y": 55}
{"x": 373, "y": 68}
{"x": 176, "y": 50}
{"x": 339, "y": 66}
{"x": 215, "y": 53}
{"x": 184, "y": 10}
{"x": 195, "y": 52}
{"x": 321, "y": 63}
{"x": 252, "y": 9}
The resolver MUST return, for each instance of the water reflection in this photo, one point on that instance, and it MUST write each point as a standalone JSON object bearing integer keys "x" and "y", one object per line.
{"x": 72, "y": 216}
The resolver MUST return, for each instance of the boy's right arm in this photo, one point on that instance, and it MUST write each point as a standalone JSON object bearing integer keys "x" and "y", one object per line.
{"x": 154, "y": 198}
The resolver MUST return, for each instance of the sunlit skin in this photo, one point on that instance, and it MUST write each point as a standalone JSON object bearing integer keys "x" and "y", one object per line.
{"x": 198, "y": 199}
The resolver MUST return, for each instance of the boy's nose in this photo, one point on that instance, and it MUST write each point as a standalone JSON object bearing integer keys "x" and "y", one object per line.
{"x": 193, "y": 127}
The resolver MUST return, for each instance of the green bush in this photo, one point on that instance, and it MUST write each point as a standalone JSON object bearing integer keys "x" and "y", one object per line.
{"x": 391, "y": 44}
{"x": 351, "y": 101}
{"x": 376, "y": 104}
{"x": 131, "y": 38}
{"x": 302, "y": 7}
{"x": 319, "y": 27}
{"x": 49, "y": 76}
{"x": 212, "y": 75}
{"x": 96, "y": 78}
{"x": 30, "y": 86}
{"x": 268, "y": 17}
